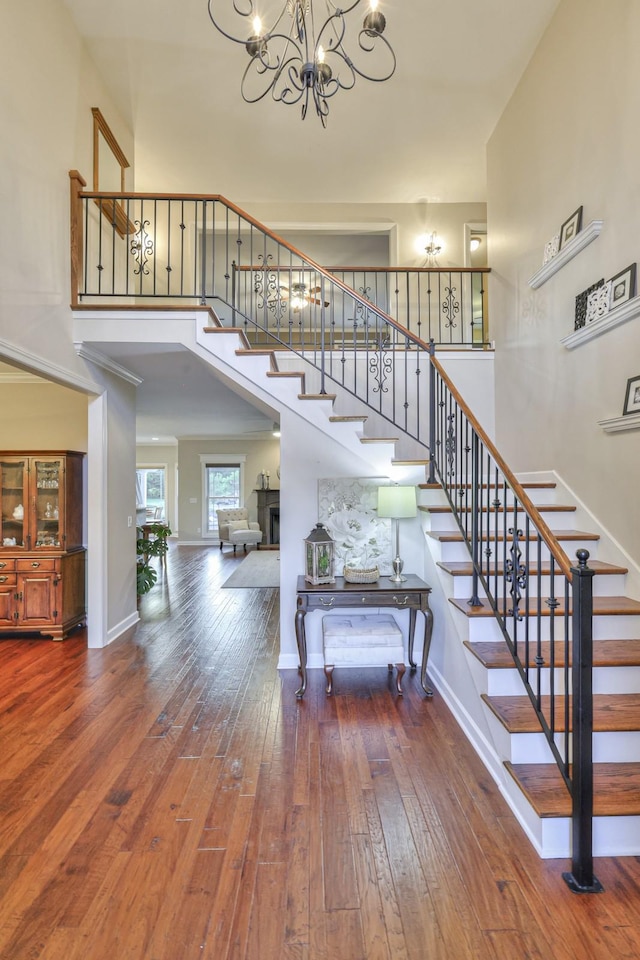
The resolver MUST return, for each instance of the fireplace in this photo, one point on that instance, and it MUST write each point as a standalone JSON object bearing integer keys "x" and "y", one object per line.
{"x": 269, "y": 515}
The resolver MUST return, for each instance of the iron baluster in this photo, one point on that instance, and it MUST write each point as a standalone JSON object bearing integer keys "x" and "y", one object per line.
{"x": 432, "y": 415}
{"x": 474, "y": 600}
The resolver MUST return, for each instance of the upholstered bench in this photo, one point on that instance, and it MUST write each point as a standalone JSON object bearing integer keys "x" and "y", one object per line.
{"x": 362, "y": 640}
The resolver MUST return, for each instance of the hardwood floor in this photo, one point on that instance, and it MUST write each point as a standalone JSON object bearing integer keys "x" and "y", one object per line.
{"x": 167, "y": 798}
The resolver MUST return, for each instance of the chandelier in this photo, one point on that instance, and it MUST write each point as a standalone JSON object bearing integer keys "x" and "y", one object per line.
{"x": 298, "y": 54}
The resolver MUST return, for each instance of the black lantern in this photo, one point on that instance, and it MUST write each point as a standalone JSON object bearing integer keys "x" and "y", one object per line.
{"x": 319, "y": 556}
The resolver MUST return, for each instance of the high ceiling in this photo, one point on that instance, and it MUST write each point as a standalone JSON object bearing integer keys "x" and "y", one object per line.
{"x": 419, "y": 136}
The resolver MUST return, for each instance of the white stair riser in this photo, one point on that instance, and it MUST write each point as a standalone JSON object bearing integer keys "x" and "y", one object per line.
{"x": 539, "y": 496}
{"x": 561, "y": 520}
{"x": 603, "y": 586}
{"x": 457, "y": 550}
{"x": 480, "y": 629}
{"x": 505, "y": 682}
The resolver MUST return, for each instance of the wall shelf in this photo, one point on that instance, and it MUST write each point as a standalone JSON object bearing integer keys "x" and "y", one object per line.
{"x": 630, "y": 422}
{"x": 572, "y": 249}
{"x": 623, "y": 313}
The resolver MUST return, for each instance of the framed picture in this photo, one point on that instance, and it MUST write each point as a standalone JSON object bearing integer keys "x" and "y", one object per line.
{"x": 632, "y": 399}
{"x": 570, "y": 227}
{"x": 623, "y": 286}
{"x": 551, "y": 248}
{"x": 598, "y": 302}
{"x": 581, "y": 304}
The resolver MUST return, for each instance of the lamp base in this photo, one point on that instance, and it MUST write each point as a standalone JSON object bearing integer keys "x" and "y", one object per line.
{"x": 397, "y": 577}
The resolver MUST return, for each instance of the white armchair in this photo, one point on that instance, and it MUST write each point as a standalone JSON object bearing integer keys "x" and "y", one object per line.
{"x": 235, "y": 527}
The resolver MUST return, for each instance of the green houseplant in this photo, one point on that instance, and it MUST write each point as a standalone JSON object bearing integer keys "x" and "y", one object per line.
{"x": 151, "y": 542}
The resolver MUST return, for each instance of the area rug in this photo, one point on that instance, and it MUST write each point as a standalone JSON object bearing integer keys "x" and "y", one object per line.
{"x": 260, "y": 568}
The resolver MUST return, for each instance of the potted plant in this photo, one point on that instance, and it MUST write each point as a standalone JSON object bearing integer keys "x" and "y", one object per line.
{"x": 151, "y": 542}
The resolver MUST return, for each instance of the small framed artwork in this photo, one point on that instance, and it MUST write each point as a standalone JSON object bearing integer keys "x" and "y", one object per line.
{"x": 551, "y": 248}
{"x": 623, "y": 286}
{"x": 570, "y": 227}
{"x": 598, "y": 302}
{"x": 581, "y": 304}
{"x": 632, "y": 399}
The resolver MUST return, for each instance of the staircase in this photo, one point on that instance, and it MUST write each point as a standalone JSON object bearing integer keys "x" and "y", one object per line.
{"x": 531, "y": 780}
{"x": 527, "y": 750}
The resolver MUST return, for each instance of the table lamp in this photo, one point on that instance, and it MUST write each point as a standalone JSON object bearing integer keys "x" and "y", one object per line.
{"x": 397, "y": 502}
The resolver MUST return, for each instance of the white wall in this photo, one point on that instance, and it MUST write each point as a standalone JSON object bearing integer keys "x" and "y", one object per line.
{"x": 407, "y": 222}
{"x": 45, "y": 115}
{"x": 569, "y": 137}
{"x": 260, "y": 454}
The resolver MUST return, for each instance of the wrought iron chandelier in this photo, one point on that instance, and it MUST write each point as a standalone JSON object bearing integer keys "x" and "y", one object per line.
{"x": 301, "y": 55}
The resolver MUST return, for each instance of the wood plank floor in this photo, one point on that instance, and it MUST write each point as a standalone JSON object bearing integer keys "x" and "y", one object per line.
{"x": 167, "y": 798}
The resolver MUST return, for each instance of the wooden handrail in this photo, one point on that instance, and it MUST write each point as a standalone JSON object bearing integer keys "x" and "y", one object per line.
{"x": 514, "y": 483}
{"x": 261, "y": 266}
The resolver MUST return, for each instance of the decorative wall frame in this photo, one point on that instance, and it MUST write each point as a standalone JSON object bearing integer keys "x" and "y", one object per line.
{"x": 632, "y": 397}
{"x": 571, "y": 227}
{"x": 623, "y": 286}
{"x": 551, "y": 248}
{"x": 347, "y": 508}
{"x": 581, "y": 304}
{"x": 598, "y": 302}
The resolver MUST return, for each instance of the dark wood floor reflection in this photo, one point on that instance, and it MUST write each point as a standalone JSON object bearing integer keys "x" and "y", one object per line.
{"x": 167, "y": 799}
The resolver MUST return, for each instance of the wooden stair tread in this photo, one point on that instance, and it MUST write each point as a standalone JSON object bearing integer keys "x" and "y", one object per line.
{"x": 454, "y": 536}
{"x": 378, "y": 439}
{"x": 284, "y": 373}
{"x": 602, "y": 606}
{"x": 464, "y": 568}
{"x": 317, "y": 396}
{"x": 612, "y": 712}
{"x": 410, "y": 463}
{"x": 348, "y": 419}
{"x": 495, "y": 655}
{"x": 616, "y": 788}
{"x": 542, "y": 508}
{"x": 537, "y": 485}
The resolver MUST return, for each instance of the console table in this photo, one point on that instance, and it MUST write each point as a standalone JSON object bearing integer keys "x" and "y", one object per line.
{"x": 412, "y": 595}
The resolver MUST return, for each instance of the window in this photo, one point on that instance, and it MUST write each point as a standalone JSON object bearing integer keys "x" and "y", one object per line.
{"x": 222, "y": 491}
{"x": 151, "y": 491}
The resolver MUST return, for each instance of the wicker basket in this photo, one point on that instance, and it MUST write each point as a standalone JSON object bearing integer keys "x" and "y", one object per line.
{"x": 354, "y": 575}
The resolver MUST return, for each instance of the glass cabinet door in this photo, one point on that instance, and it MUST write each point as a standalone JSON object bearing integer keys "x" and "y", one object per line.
{"x": 14, "y": 504}
{"x": 47, "y": 480}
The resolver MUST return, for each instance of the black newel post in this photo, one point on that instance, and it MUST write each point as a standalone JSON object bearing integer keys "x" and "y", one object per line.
{"x": 581, "y": 879}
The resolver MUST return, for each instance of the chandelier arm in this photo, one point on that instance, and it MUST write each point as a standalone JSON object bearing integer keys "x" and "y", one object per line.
{"x": 296, "y": 66}
{"x": 267, "y": 35}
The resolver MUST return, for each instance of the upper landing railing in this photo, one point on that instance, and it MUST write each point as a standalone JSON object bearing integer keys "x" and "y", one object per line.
{"x": 156, "y": 247}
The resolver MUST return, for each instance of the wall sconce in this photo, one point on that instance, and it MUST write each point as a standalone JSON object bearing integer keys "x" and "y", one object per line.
{"x": 276, "y": 430}
{"x": 433, "y": 247}
{"x": 474, "y": 243}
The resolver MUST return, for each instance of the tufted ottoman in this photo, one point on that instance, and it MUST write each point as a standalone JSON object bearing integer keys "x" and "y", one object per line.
{"x": 366, "y": 640}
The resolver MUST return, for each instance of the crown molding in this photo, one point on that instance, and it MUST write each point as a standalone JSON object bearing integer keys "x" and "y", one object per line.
{"x": 45, "y": 369}
{"x": 106, "y": 363}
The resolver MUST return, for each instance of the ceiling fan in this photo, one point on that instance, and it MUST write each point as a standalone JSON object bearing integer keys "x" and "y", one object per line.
{"x": 300, "y": 295}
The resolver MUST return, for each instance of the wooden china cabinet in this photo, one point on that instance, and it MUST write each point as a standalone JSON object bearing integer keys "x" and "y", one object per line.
{"x": 42, "y": 560}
